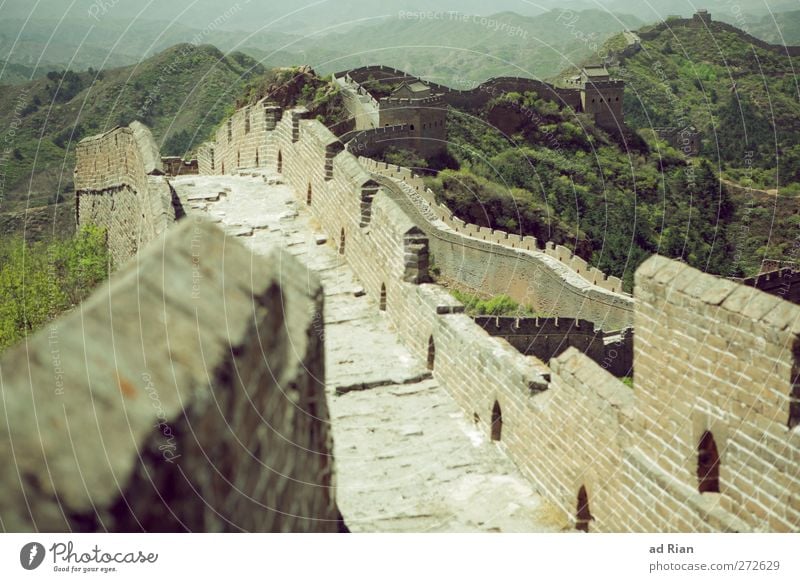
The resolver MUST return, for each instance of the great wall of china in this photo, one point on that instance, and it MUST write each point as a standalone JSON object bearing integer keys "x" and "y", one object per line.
{"x": 707, "y": 439}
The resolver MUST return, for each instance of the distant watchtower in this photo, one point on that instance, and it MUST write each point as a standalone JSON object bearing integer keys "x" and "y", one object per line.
{"x": 415, "y": 105}
{"x": 702, "y": 16}
{"x": 601, "y": 96}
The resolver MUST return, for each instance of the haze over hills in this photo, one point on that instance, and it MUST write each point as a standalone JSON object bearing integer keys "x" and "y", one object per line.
{"x": 181, "y": 94}
{"x": 443, "y": 45}
{"x": 460, "y": 50}
{"x": 780, "y": 28}
{"x": 432, "y": 39}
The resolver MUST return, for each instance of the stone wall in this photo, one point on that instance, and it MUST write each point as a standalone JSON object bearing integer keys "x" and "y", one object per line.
{"x": 580, "y": 434}
{"x": 373, "y": 142}
{"x": 714, "y": 356}
{"x": 120, "y": 186}
{"x": 192, "y": 402}
{"x": 552, "y": 281}
{"x": 783, "y": 282}
{"x": 547, "y": 338}
{"x": 475, "y": 97}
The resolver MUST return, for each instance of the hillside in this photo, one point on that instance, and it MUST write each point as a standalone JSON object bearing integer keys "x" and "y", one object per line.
{"x": 563, "y": 179}
{"x": 741, "y": 96}
{"x": 182, "y": 94}
{"x": 745, "y": 100}
{"x": 14, "y": 74}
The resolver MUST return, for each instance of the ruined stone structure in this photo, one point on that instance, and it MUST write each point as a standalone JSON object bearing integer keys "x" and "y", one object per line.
{"x": 177, "y": 166}
{"x": 172, "y": 401}
{"x": 547, "y": 338}
{"x": 783, "y": 281}
{"x": 415, "y": 113}
{"x": 413, "y": 116}
{"x": 120, "y": 184}
{"x": 706, "y": 440}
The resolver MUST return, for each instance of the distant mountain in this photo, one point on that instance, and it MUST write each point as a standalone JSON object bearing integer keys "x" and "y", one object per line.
{"x": 78, "y": 44}
{"x": 287, "y": 16}
{"x": 447, "y": 45}
{"x": 14, "y": 74}
{"x": 743, "y": 98}
{"x": 740, "y": 12}
{"x": 463, "y": 50}
{"x": 181, "y": 94}
{"x": 777, "y": 28}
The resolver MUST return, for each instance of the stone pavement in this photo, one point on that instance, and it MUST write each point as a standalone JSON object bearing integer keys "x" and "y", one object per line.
{"x": 406, "y": 457}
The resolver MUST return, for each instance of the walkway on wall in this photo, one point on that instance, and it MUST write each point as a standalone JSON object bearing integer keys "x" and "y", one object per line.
{"x": 407, "y": 459}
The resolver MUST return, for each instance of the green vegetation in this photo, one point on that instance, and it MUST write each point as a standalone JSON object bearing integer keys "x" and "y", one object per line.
{"x": 497, "y": 305}
{"x": 292, "y": 86}
{"x": 182, "y": 94}
{"x": 562, "y": 179}
{"x": 742, "y": 98}
{"x": 39, "y": 281}
{"x": 628, "y": 381}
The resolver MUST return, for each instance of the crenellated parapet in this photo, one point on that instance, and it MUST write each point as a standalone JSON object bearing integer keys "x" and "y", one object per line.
{"x": 184, "y": 395}
{"x": 426, "y": 197}
{"x": 120, "y": 185}
{"x": 701, "y": 437}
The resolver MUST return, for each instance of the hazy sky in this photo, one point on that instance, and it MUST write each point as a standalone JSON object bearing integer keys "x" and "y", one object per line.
{"x": 300, "y": 15}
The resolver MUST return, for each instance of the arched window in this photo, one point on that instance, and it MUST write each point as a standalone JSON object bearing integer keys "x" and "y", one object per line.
{"x": 431, "y": 353}
{"x": 256, "y": 157}
{"x": 707, "y": 464}
{"x": 382, "y": 302}
{"x": 341, "y": 242}
{"x": 583, "y": 516}
{"x": 280, "y": 162}
{"x": 497, "y": 422}
{"x": 308, "y": 194}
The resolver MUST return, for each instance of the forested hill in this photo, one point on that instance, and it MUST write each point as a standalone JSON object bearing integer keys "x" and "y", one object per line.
{"x": 181, "y": 93}
{"x": 742, "y": 96}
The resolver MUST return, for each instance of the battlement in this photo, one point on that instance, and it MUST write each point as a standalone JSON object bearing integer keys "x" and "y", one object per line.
{"x": 705, "y": 439}
{"x": 436, "y": 211}
{"x": 120, "y": 185}
{"x": 103, "y": 419}
{"x": 548, "y": 337}
{"x": 435, "y": 100}
{"x": 477, "y": 97}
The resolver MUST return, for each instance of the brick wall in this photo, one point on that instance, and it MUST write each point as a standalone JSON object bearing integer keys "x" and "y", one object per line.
{"x": 547, "y": 338}
{"x": 574, "y": 429}
{"x": 714, "y": 356}
{"x": 120, "y": 186}
{"x": 128, "y": 416}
